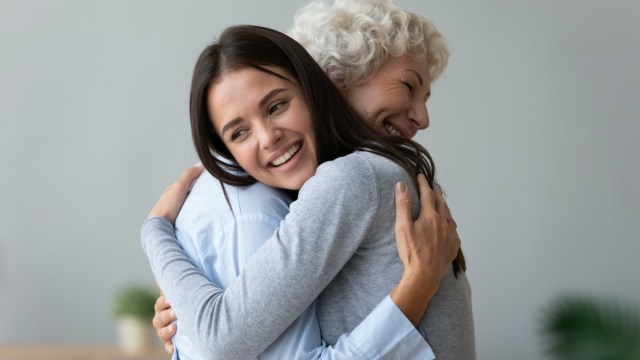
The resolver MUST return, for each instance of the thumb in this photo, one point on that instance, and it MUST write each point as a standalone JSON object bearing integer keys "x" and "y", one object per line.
{"x": 403, "y": 206}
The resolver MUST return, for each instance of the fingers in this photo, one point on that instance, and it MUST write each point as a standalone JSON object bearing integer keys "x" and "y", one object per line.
{"x": 443, "y": 209}
{"x": 171, "y": 200}
{"x": 161, "y": 303}
{"x": 427, "y": 196}
{"x": 403, "y": 206}
{"x": 162, "y": 322}
{"x": 164, "y": 315}
{"x": 166, "y": 332}
{"x": 189, "y": 176}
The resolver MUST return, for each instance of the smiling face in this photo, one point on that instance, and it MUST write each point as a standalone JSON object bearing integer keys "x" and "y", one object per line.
{"x": 265, "y": 123}
{"x": 394, "y": 99}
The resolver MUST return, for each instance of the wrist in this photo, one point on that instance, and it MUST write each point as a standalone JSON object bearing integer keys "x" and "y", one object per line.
{"x": 420, "y": 283}
{"x": 413, "y": 294}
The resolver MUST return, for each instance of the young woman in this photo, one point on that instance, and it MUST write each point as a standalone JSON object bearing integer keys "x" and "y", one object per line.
{"x": 311, "y": 246}
{"x": 382, "y": 57}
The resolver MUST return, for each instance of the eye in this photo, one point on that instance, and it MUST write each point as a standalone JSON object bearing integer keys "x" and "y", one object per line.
{"x": 408, "y": 86}
{"x": 237, "y": 134}
{"x": 276, "y": 107}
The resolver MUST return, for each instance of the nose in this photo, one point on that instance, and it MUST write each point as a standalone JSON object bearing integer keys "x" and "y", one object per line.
{"x": 418, "y": 115}
{"x": 269, "y": 136}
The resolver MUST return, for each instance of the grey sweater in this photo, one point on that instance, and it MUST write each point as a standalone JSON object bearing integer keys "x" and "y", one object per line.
{"x": 338, "y": 244}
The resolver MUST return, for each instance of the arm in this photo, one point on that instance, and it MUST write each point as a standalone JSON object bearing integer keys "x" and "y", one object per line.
{"x": 425, "y": 249}
{"x": 385, "y": 333}
{"x": 282, "y": 279}
{"x": 213, "y": 294}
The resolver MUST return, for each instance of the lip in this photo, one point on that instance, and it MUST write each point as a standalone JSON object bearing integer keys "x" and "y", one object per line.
{"x": 283, "y": 150}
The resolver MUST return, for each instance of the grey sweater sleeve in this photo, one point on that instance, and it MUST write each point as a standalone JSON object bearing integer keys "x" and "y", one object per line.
{"x": 333, "y": 214}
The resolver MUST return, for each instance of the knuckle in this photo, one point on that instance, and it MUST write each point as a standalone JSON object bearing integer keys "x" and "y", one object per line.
{"x": 402, "y": 201}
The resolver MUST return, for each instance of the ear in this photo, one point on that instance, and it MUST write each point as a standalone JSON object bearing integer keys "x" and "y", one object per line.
{"x": 341, "y": 85}
{"x": 338, "y": 79}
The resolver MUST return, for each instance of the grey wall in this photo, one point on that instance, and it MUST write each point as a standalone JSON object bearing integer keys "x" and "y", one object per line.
{"x": 535, "y": 129}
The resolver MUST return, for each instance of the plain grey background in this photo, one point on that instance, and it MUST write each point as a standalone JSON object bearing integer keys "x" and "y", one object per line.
{"x": 535, "y": 129}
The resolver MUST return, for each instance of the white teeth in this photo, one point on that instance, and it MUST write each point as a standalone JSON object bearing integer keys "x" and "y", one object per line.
{"x": 286, "y": 156}
{"x": 391, "y": 129}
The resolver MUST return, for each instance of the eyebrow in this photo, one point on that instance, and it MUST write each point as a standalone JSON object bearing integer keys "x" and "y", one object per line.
{"x": 265, "y": 99}
{"x": 231, "y": 124}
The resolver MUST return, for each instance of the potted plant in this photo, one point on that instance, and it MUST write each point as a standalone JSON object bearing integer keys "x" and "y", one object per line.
{"x": 134, "y": 311}
{"x": 585, "y": 328}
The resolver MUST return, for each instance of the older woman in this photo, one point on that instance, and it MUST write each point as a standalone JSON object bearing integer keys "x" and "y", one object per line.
{"x": 383, "y": 59}
{"x": 372, "y": 50}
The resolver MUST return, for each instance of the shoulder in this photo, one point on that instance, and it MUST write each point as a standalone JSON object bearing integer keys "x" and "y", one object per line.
{"x": 206, "y": 202}
{"x": 361, "y": 168}
{"x": 349, "y": 180}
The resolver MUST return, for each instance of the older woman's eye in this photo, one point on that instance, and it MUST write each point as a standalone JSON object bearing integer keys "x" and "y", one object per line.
{"x": 408, "y": 86}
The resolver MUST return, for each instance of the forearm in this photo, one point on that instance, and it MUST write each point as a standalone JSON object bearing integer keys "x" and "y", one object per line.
{"x": 191, "y": 294}
{"x": 384, "y": 334}
{"x": 251, "y": 313}
{"x": 413, "y": 293}
{"x": 281, "y": 279}
{"x": 219, "y": 328}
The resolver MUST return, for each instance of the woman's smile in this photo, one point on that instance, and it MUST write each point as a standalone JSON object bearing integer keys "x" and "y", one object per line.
{"x": 284, "y": 158}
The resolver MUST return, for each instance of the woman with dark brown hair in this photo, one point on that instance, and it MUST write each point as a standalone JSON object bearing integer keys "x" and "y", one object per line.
{"x": 260, "y": 104}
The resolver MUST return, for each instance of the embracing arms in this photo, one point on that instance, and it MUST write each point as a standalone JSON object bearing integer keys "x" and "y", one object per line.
{"x": 211, "y": 300}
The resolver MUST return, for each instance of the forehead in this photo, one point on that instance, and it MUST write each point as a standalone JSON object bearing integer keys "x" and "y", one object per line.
{"x": 249, "y": 78}
{"x": 247, "y": 83}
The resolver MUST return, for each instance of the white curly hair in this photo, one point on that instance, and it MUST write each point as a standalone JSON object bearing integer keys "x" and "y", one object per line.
{"x": 351, "y": 39}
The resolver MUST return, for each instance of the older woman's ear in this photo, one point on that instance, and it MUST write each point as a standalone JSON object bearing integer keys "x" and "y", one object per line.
{"x": 337, "y": 77}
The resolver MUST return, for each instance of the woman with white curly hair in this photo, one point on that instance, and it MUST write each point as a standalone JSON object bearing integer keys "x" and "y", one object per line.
{"x": 383, "y": 59}
{"x": 371, "y": 47}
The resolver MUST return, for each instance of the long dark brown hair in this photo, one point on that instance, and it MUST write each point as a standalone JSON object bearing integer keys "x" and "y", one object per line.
{"x": 338, "y": 131}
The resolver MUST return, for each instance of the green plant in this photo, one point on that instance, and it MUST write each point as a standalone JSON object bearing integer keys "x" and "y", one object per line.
{"x": 136, "y": 301}
{"x": 583, "y": 328}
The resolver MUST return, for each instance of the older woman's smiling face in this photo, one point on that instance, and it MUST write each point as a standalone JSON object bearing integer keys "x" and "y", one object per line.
{"x": 394, "y": 99}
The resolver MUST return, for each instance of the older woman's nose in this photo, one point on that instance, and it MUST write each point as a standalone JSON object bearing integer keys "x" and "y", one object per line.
{"x": 418, "y": 115}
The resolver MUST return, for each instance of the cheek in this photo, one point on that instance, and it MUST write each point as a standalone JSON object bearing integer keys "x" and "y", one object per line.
{"x": 244, "y": 157}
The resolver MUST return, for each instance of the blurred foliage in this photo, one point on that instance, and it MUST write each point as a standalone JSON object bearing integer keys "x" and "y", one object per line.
{"x": 136, "y": 300}
{"x": 579, "y": 327}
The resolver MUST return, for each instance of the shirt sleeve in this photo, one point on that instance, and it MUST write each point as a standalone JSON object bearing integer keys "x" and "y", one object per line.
{"x": 384, "y": 334}
{"x": 282, "y": 278}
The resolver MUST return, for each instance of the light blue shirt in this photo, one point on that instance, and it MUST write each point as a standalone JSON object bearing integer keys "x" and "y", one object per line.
{"x": 220, "y": 242}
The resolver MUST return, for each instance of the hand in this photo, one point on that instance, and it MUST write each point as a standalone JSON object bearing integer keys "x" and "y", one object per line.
{"x": 426, "y": 246}
{"x": 174, "y": 195}
{"x": 162, "y": 322}
{"x": 431, "y": 242}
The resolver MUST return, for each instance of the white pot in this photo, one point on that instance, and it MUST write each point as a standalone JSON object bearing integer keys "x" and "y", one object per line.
{"x": 134, "y": 335}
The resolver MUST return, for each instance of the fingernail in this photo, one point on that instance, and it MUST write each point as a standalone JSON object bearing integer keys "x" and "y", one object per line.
{"x": 172, "y": 314}
{"x": 400, "y": 187}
